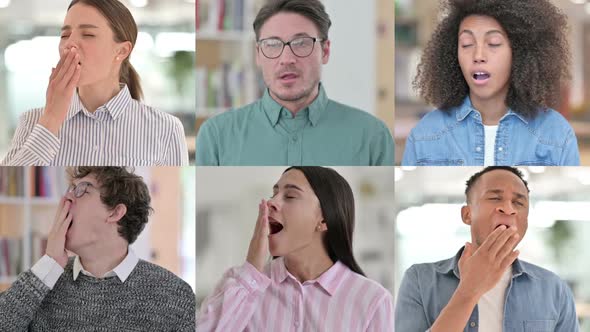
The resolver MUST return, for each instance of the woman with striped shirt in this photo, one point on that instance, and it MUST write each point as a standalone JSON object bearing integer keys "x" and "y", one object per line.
{"x": 313, "y": 283}
{"x": 93, "y": 113}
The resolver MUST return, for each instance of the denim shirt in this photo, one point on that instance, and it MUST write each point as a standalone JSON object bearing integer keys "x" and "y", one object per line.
{"x": 536, "y": 299}
{"x": 456, "y": 138}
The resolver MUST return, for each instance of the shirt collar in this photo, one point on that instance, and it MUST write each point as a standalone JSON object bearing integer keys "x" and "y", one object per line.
{"x": 273, "y": 109}
{"x": 115, "y": 107}
{"x": 452, "y": 265}
{"x": 329, "y": 280}
{"x": 467, "y": 107}
{"x": 123, "y": 270}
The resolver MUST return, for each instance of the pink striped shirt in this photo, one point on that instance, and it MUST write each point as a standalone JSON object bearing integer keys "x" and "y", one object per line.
{"x": 339, "y": 300}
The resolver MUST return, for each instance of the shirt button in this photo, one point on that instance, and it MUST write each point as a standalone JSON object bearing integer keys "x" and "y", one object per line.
{"x": 472, "y": 324}
{"x": 294, "y": 139}
{"x": 478, "y": 149}
{"x": 253, "y": 282}
{"x": 95, "y": 147}
{"x": 296, "y": 323}
{"x": 500, "y": 149}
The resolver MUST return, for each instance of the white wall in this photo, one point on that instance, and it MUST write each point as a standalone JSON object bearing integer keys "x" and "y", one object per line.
{"x": 350, "y": 75}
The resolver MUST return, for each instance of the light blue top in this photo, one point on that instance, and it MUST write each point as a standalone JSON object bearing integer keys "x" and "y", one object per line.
{"x": 536, "y": 299}
{"x": 457, "y": 137}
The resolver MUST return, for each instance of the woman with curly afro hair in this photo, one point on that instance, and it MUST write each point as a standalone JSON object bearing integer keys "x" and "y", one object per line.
{"x": 493, "y": 69}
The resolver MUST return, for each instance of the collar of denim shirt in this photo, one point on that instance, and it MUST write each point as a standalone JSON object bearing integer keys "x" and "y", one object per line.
{"x": 452, "y": 265}
{"x": 467, "y": 107}
{"x": 273, "y": 109}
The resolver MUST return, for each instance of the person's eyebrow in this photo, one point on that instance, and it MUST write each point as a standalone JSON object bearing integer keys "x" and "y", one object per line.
{"x": 519, "y": 195}
{"x": 297, "y": 35}
{"x": 487, "y": 33}
{"x": 287, "y": 186}
{"x": 81, "y": 26}
{"x": 500, "y": 191}
{"x": 495, "y": 191}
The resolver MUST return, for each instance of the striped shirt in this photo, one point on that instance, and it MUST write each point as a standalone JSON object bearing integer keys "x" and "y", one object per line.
{"x": 338, "y": 300}
{"x": 122, "y": 132}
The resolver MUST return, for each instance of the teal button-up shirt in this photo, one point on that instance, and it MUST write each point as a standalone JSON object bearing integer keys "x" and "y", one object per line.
{"x": 265, "y": 133}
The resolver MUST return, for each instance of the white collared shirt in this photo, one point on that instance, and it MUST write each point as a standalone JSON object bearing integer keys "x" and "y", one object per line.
{"x": 123, "y": 270}
{"x": 122, "y": 132}
{"x": 49, "y": 271}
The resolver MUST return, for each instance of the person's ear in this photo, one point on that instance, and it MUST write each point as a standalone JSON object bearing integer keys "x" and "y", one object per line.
{"x": 325, "y": 51}
{"x": 322, "y": 227}
{"x": 117, "y": 213}
{"x": 466, "y": 214}
{"x": 123, "y": 51}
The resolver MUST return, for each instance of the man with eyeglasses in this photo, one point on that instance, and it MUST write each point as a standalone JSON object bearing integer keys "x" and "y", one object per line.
{"x": 294, "y": 123}
{"x": 105, "y": 286}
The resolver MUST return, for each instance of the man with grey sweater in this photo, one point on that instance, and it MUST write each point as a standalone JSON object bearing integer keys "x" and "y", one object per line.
{"x": 106, "y": 287}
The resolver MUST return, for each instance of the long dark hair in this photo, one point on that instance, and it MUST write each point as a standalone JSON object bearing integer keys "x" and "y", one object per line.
{"x": 337, "y": 204}
{"x": 124, "y": 29}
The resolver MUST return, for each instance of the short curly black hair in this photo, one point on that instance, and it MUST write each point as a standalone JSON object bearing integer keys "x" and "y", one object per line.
{"x": 120, "y": 186}
{"x": 537, "y": 31}
{"x": 473, "y": 179}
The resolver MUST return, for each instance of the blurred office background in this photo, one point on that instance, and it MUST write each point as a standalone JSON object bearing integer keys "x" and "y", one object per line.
{"x": 163, "y": 57}
{"x": 359, "y": 72}
{"x": 414, "y": 23}
{"x": 29, "y": 197}
{"x": 428, "y": 201}
{"x": 227, "y": 209}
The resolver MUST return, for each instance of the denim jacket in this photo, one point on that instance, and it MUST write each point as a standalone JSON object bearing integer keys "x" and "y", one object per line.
{"x": 536, "y": 299}
{"x": 456, "y": 138}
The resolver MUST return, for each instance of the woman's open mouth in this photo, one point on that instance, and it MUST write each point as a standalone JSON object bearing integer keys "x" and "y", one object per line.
{"x": 275, "y": 226}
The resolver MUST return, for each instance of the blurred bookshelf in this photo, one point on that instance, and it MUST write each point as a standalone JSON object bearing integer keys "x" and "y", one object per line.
{"x": 226, "y": 74}
{"x": 28, "y": 196}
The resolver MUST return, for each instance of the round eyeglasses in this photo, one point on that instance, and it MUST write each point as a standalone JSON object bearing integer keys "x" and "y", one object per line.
{"x": 79, "y": 189}
{"x": 302, "y": 47}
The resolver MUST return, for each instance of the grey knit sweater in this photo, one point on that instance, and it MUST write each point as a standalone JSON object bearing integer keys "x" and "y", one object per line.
{"x": 151, "y": 299}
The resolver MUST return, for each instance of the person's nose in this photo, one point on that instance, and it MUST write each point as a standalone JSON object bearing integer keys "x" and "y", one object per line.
{"x": 287, "y": 57}
{"x": 507, "y": 208}
{"x": 273, "y": 204}
{"x": 69, "y": 43}
{"x": 480, "y": 55}
{"x": 70, "y": 196}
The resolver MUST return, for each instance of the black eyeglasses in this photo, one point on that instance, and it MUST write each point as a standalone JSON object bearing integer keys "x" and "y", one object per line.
{"x": 302, "y": 47}
{"x": 79, "y": 189}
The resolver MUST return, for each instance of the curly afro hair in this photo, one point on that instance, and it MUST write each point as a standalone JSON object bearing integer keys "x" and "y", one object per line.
{"x": 537, "y": 31}
{"x": 120, "y": 186}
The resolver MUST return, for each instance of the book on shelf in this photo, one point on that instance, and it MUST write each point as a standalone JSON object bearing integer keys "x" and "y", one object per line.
{"x": 220, "y": 88}
{"x": 223, "y": 88}
{"x": 10, "y": 257}
{"x": 48, "y": 181}
{"x": 44, "y": 181}
{"x": 38, "y": 247}
{"x": 220, "y": 15}
{"x": 12, "y": 181}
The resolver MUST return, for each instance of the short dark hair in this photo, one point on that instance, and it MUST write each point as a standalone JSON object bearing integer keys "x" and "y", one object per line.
{"x": 120, "y": 186}
{"x": 313, "y": 10}
{"x": 537, "y": 31}
{"x": 337, "y": 205}
{"x": 473, "y": 179}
